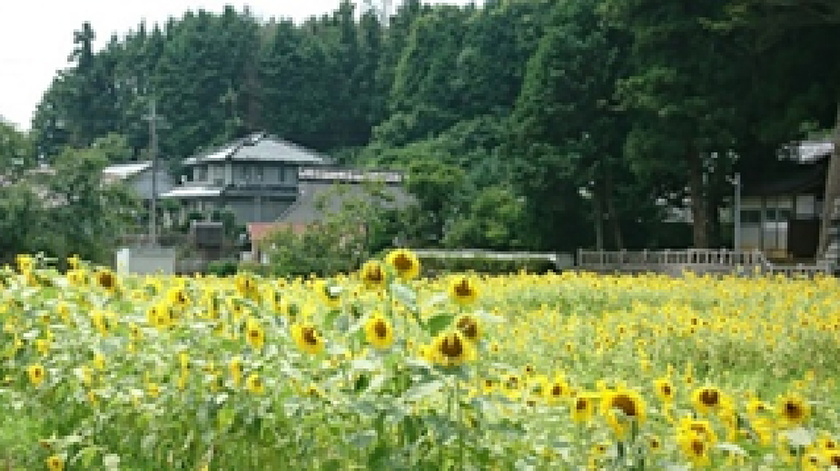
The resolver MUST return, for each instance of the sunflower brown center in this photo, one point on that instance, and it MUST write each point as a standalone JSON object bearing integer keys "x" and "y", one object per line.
{"x": 380, "y": 329}
{"x": 309, "y": 336}
{"x": 556, "y": 390}
{"x": 625, "y": 404}
{"x": 463, "y": 289}
{"x": 709, "y": 397}
{"x": 374, "y": 274}
{"x": 106, "y": 280}
{"x": 698, "y": 447}
{"x": 793, "y": 410}
{"x": 452, "y": 347}
{"x": 468, "y": 327}
{"x": 402, "y": 262}
{"x": 254, "y": 334}
{"x": 666, "y": 389}
{"x": 581, "y": 404}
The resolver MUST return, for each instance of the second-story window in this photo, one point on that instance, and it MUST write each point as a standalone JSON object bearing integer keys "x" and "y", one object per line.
{"x": 244, "y": 173}
{"x": 258, "y": 173}
{"x": 201, "y": 174}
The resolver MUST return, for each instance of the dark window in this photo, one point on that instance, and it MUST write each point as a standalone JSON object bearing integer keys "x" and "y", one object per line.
{"x": 750, "y": 216}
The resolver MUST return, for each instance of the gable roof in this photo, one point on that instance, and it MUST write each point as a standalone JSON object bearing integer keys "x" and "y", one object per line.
{"x": 259, "y": 147}
{"x": 123, "y": 171}
{"x": 808, "y": 152}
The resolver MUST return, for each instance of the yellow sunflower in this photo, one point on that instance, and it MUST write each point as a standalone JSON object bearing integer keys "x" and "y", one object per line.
{"x": 622, "y": 406}
{"x": 556, "y": 391}
{"x": 307, "y": 338}
{"x": 254, "y": 384}
{"x": 469, "y": 326}
{"x": 792, "y": 409}
{"x": 77, "y": 277}
{"x": 55, "y": 463}
{"x": 832, "y": 458}
{"x": 74, "y": 262}
{"x": 488, "y": 385}
{"x": 405, "y": 263}
{"x": 373, "y": 275}
{"x": 177, "y": 296}
{"x": 36, "y": 374}
{"x": 707, "y": 399}
{"x": 701, "y": 428}
{"x": 25, "y": 263}
{"x": 512, "y": 387}
{"x": 247, "y": 286}
{"x": 583, "y": 407}
{"x": 695, "y": 449}
{"x": 654, "y": 444}
{"x": 254, "y": 333}
{"x": 107, "y": 280}
{"x": 236, "y": 370}
{"x": 664, "y": 390}
{"x": 451, "y": 349}
{"x": 462, "y": 290}
{"x": 378, "y": 331}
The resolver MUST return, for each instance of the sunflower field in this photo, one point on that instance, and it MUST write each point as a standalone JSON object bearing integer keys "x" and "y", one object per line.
{"x": 383, "y": 369}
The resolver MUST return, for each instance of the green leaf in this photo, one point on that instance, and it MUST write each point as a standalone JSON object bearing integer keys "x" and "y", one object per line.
{"x": 404, "y": 294}
{"x": 331, "y": 316}
{"x": 799, "y": 437}
{"x": 438, "y": 323}
{"x": 422, "y": 390}
{"x": 361, "y": 383}
{"x": 362, "y": 439}
{"x": 732, "y": 448}
{"x": 111, "y": 461}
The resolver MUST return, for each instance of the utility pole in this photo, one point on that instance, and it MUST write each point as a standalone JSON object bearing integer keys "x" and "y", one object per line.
{"x": 736, "y": 213}
{"x": 153, "y": 117}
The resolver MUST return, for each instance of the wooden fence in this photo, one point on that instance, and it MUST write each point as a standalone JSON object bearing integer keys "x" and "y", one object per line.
{"x": 697, "y": 260}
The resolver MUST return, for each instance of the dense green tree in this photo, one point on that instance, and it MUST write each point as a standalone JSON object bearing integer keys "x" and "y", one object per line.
{"x": 16, "y": 151}
{"x": 84, "y": 215}
{"x": 681, "y": 86}
{"x": 199, "y": 80}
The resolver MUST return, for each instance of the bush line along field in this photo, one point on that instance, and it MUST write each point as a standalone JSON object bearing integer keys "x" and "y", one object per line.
{"x": 384, "y": 369}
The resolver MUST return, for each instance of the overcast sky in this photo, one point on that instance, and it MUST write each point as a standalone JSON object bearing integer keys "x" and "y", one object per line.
{"x": 36, "y": 36}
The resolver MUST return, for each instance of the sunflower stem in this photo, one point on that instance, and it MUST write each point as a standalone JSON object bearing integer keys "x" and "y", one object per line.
{"x": 460, "y": 424}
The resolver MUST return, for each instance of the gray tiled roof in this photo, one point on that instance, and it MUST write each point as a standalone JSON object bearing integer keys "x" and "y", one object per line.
{"x": 260, "y": 147}
{"x": 305, "y": 210}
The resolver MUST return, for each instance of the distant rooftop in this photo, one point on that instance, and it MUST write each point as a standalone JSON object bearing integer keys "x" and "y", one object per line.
{"x": 123, "y": 171}
{"x": 259, "y": 147}
{"x": 807, "y": 152}
{"x": 192, "y": 192}
{"x": 346, "y": 175}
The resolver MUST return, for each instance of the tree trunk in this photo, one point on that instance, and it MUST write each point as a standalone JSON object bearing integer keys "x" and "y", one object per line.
{"x": 612, "y": 213}
{"x": 598, "y": 219}
{"x": 699, "y": 211}
{"x": 832, "y": 190}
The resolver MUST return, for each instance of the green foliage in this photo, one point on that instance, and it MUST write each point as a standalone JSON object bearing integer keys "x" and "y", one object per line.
{"x": 222, "y": 268}
{"x": 16, "y": 151}
{"x": 535, "y": 124}
{"x": 357, "y": 224}
{"x": 64, "y": 210}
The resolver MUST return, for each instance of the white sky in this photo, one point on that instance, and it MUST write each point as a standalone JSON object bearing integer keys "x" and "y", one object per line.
{"x": 36, "y": 36}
